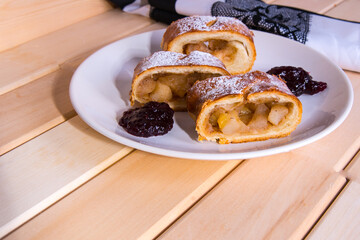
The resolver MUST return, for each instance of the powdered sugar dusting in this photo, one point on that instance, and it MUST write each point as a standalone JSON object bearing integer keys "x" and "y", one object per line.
{"x": 218, "y": 87}
{"x": 270, "y": 82}
{"x": 167, "y": 58}
{"x": 209, "y": 23}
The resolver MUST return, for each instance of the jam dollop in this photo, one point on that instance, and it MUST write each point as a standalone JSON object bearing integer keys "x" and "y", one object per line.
{"x": 152, "y": 119}
{"x": 298, "y": 80}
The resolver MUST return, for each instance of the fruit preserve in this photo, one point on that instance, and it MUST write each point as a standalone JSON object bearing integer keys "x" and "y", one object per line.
{"x": 153, "y": 119}
{"x": 298, "y": 80}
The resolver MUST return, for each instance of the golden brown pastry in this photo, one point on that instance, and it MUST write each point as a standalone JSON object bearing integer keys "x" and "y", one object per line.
{"x": 166, "y": 76}
{"x": 242, "y": 108}
{"x": 226, "y": 38}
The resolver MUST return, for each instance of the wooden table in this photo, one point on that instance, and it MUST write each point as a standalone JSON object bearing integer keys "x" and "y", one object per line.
{"x": 59, "y": 179}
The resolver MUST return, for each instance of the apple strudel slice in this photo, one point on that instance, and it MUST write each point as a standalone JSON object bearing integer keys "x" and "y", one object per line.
{"x": 224, "y": 37}
{"x": 166, "y": 76}
{"x": 242, "y": 108}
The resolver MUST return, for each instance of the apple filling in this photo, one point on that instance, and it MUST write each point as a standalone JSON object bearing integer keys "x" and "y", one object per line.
{"x": 168, "y": 87}
{"x": 229, "y": 52}
{"x": 247, "y": 118}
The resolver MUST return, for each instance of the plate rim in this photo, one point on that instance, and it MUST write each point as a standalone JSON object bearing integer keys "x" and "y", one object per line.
{"x": 214, "y": 155}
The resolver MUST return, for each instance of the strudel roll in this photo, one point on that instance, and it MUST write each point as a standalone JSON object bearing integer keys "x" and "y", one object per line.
{"x": 242, "y": 108}
{"x": 225, "y": 37}
{"x": 166, "y": 76}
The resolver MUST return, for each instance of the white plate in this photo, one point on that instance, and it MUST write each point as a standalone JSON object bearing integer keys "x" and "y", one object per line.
{"x": 100, "y": 88}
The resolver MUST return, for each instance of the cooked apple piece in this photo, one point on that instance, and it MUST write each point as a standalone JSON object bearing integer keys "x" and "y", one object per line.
{"x": 245, "y": 113}
{"x": 161, "y": 93}
{"x": 214, "y": 116}
{"x": 230, "y": 123}
{"x": 243, "y": 109}
{"x": 259, "y": 120}
{"x": 145, "y": 87}
{"x": 196, "y": 47}
{"x": 277, "y": 113}
{"x": 176, "y": 82}
{"x": 216, "y": 44}
{"x": 226, "y": 54}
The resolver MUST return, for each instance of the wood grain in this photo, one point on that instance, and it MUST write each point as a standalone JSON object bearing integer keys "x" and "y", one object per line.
{"x": 22, "y": 21}
{"x": 352, "y": 171}
{"x": 140, "y": 196}
{"x": 343, "y": 147}
{"x": 34, "y": 108}
{"x": 313, "y": 170}
{"x": 18, "y": 67}
{"x": 51, "y": 105}
{"x": 277, "y": 194}
{"x": 136, "y": 198}
{"x": 279, "y": 217}
{"x": 34, "y": 59}
{"x": 348, "y": 10}
{"x": 342, "y": 220}
{"x": 318, "y": 6}
{"x": 39, "y": 173}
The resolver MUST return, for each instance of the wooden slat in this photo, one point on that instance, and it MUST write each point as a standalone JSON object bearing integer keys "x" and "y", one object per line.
{"x": 346, "y": 139}
{"x": 342, "y": 220}
{"x": 49, "y": 107}
{"x": 268, "y": 198}
{"x": 352, "y": 171}
{"x": 24, "y": 114}
{"x": 18, "y": 68}
{"x": 292, "y": 189}
{"x": 40, "y": 172}
{"x": 22, "y": 21}
{"x": 36, "y": 58}
{"x": 142, "y": 194}
{"x": 136, "y": 198}
{"x": 347, "y": 9}
{"x": 42, "y": 111}
{"x": 264, "y": 209}
{"x": 318, "y": 6}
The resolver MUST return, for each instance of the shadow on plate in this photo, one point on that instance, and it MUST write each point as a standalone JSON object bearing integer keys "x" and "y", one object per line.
{"x": 124, "y": 79}
{"x": 186, "y": 123}
{"x": 155, "y": 41}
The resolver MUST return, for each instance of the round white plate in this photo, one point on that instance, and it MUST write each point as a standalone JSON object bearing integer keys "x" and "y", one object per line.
{"x": 100, "y": 88}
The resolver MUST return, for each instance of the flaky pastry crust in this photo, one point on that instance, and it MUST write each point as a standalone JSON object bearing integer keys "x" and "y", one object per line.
{"x": 210, "y": 98}
{"x": 225, "y": 37}
{"x": 166, "y": 76}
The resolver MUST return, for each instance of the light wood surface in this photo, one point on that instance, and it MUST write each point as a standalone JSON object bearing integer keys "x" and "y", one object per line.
{"x": 53, "y": 88}
{"x": 287, "y": 201}
{"x": 341, "y": 221}
{"x": 33, "y": 183}
{"x": 318, "y": 6}
{"x": 348, "y": 10}
{"x": 352, "y": 171}
{"x": 27, "y": 62}
{"x": 25, "y": 115}
{"x": 22, "y": 21}
{"x": 146, "y": 193}
{"x": 59, "y": 179}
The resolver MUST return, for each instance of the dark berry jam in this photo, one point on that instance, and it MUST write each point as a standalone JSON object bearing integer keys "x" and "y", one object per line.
{"x": 153, "y": 119}
{"x": 298, "y": 80}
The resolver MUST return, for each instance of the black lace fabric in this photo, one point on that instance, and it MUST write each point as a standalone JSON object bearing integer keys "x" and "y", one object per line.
{"x": 285, "y": 21}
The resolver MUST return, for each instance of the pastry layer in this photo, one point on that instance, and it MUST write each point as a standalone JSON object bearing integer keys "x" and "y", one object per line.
{"x": 166, "y": 76}
{"x": 242, "y": 108}
{"x": 224, "y": 37}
